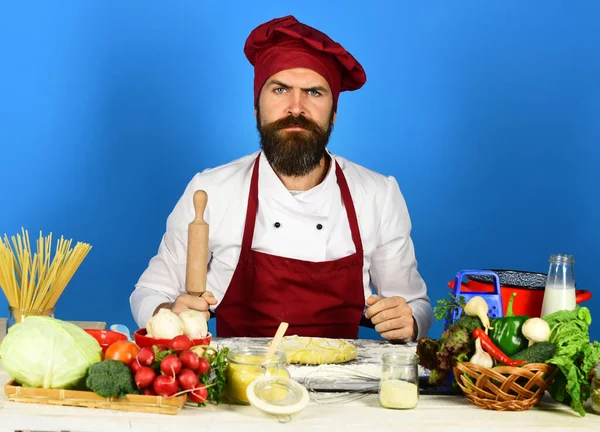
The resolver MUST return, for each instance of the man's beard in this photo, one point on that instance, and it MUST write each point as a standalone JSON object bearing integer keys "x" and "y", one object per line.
{"x": 294, "y": 153}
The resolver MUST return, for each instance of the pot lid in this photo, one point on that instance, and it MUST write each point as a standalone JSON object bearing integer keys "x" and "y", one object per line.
{"x": 514, "y": 279}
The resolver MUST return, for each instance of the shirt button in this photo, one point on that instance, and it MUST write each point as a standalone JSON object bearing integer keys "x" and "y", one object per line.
{"x": 277, "y": 224}
{"x": 319, "y": 226}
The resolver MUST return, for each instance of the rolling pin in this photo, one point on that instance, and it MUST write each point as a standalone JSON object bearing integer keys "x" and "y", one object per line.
{"x": 197, "y": 248}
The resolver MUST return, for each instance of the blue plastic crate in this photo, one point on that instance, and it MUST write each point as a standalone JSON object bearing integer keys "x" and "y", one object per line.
{"x": 493, "y": 300}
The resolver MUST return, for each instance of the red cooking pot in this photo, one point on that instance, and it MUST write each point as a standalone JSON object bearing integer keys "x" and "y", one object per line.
{"x": 529, "y": 287}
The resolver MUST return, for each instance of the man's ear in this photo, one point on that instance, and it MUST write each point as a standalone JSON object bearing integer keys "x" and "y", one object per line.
{"x": 334, "y": 118}
{"x": 255, "y": 114}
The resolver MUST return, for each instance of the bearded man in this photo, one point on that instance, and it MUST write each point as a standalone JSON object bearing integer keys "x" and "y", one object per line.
{"x": 297, "y": 234}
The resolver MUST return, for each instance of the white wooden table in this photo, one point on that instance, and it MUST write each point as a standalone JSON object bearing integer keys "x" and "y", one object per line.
{"x": 433, "y": 413}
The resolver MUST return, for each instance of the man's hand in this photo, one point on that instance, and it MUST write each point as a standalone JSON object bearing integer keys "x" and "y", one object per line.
{"x": 392, "y": 317}
{"x": 187, "y": 301}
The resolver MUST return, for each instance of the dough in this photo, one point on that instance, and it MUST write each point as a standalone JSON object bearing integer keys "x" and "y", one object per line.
{"x": 315, "y": 351}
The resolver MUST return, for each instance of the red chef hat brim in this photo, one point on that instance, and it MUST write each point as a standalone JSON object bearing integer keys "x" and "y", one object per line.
{"x": 285, "y": 43}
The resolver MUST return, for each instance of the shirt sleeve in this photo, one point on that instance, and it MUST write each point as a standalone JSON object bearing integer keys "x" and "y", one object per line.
{"x": 393, "y": 267}
{"x": 164, "y": 278}
{"x": 144, "y": 302}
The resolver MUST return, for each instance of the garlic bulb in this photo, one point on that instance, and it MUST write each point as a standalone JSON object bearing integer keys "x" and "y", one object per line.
{"x": 164, "y": 325}
{"x": 194, "y": 324}
{"x": 481, "y": 357}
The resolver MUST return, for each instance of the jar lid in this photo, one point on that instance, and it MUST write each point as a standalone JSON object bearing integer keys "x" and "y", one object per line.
{"x": 277, "y": 395}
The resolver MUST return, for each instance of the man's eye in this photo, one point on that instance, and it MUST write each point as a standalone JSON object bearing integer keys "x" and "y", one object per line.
{"x": 314, "y": 93}
{"x": 279, "y": 90}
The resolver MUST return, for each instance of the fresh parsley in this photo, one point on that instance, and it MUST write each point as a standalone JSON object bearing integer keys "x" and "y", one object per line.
{"x": 446, "y": 306}
{"x": 216, "y": 380}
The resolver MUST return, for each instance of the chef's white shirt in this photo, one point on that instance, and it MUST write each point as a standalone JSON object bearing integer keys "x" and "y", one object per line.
{"x": 390, "y": 266}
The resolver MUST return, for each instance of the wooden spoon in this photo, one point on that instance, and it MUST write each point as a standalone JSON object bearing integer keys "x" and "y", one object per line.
{"x": 277, "y": 339}
{"x": 197, "y": 248}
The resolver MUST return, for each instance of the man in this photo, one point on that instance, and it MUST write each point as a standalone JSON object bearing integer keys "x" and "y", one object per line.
{"x": 296, "y": 233}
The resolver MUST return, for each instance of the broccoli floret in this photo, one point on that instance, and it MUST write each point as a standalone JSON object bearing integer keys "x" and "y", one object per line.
{"x": 110, "y": 378}
{"x": 470, "y": 323}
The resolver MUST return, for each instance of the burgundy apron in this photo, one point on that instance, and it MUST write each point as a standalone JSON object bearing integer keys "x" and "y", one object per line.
{"x": 319, "y": 299}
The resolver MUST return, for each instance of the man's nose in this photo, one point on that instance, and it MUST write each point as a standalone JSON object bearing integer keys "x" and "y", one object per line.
{"x": 296, "y": 105}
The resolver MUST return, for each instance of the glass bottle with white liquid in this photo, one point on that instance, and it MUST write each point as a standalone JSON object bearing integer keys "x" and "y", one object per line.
{"x": 560, "y": 285}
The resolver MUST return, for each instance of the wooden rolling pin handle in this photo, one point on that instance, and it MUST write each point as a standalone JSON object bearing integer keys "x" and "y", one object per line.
{"x": 200, "y": 200}
{"x": 197, "y": 252}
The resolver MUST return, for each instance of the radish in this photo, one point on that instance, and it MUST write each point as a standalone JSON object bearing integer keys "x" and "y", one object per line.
{"x": 149, "y": 392}
{"x": 170, "y": 365}
{"x": 180, "y": 343}
{"x": 135, "y": 365}
{"x": 203, "y": 366}
{"x": 187, "y": 379}
{"x": 144, "y": 377}
{"x": 161, "y": 347}
{"x": 165, "y": 385}
{"x": 199, "y": 394}
{"x": 146, "y": 356}
{"x": 189, "y": 359}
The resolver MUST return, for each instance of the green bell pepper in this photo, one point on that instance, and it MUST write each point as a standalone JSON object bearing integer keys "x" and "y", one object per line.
{"x": 506, "y": 332}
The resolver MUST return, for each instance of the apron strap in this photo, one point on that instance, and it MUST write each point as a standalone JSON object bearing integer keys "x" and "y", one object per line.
{"x": 251, "y": 211}
{"x": 350, "y": 211}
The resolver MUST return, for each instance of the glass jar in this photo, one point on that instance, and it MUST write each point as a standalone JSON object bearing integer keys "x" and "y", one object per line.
{"x": 18, "y": 315}
{"x": 560, "y": 285}
{"x": 248, "y": 363}
{"x": 595, "y": 389}
{"x": 399, "y": 384}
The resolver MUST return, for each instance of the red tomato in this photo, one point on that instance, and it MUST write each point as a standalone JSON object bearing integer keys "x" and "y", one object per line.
{"x": 125, "y": 351}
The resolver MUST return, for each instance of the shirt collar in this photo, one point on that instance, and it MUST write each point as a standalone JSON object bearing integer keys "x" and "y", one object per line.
{"x": 268, "y": 179}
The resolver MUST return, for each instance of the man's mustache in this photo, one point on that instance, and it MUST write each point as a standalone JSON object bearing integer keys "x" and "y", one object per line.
{"x": 295, "y": 121}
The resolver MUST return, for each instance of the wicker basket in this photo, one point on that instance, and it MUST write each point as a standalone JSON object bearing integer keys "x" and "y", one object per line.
{"x": 504, "y": 388}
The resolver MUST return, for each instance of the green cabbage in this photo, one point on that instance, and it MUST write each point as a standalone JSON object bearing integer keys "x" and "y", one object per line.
{"x": 48, "y": 353}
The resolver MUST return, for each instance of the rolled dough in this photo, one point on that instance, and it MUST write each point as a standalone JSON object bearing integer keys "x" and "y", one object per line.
{"x": 315, "y": 351}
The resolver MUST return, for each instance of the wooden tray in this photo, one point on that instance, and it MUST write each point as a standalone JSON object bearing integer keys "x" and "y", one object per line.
{"x": 88, "y": 399}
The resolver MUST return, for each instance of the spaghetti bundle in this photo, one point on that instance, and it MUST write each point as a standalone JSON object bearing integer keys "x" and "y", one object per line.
{"x": 34, "y": 282}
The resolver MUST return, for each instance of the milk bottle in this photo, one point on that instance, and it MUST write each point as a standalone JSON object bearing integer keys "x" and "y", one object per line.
{"x": 560, "y": 285}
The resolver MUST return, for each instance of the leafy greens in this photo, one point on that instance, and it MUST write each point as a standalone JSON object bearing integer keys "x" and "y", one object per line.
{"x": 575, "y": 356}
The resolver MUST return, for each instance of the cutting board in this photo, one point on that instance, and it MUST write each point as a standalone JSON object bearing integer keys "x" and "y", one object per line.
{"x": 363, "y": 372}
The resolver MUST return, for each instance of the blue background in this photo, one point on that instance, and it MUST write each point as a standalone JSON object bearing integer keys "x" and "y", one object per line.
{"x": 485, "y": 112}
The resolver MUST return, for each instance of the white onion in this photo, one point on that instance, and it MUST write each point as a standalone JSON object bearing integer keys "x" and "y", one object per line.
{"x": 164, "y": 325}
{"x": 194, "y": 324}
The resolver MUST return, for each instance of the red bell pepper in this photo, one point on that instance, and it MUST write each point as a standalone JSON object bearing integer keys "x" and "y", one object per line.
{"x": 494, "y": 351}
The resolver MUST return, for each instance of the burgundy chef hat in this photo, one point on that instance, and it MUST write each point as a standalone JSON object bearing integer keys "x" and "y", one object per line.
{"x": 286, "y": 43}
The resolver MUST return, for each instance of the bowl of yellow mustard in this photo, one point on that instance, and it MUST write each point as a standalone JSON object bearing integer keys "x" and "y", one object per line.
{"x": 248, "y": 363}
